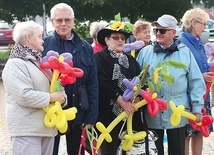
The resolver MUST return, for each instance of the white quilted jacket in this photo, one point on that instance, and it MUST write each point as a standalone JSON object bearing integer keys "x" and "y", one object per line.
{"x": 27, "y": 92}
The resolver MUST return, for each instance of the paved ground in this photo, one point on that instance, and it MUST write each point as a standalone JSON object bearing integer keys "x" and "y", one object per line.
{"x": 5, "y": 144}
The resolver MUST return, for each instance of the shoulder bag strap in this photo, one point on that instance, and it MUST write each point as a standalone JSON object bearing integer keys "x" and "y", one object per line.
{"x": 40, "y": 70}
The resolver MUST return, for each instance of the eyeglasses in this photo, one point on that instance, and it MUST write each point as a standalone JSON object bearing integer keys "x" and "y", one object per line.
{"x": 201, "y": 23}
{"x": 162, "y": 31}
{"x": 66, "y": 20}
{"x": 116, "y": 38}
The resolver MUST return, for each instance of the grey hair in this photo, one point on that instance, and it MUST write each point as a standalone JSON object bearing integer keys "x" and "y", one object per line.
{"x": 96, "y": 27}
{"x": 23, "y": 28}
{"x": 61, "y": 6}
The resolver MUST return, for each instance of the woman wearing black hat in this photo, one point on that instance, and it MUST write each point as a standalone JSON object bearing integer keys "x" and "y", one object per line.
{"x": 113, "y": 66}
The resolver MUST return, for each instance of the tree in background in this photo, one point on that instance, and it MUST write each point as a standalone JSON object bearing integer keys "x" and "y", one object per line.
{"x": 94, "y": 10}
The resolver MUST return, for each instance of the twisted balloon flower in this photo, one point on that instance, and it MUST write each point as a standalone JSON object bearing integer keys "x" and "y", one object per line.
{"x": 179, "y": 111}
{"x": 131, "y": 87}
{"x": 130, "y": 137}
{"x": 63, "y": 73}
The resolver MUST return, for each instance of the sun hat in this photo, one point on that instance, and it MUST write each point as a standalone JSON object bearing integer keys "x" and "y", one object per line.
{"x": 116, "y": 26}
{"x": 166, "y": 21}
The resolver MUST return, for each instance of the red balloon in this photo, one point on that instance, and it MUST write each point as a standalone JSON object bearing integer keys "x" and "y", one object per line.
{"x": 162, "y": 105}
{"x": 152, "y": 108}
{"x": 206, "y": 121}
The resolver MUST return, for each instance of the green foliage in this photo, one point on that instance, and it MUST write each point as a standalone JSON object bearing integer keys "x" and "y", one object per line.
{"x": 117, "y": 17}
{"x": 82, "y": 29}
{"x": 175, "y": 64}
{"x": 4, "y": 54}
{"x": 118, "y": 24}
{"x": 160, "y": 72}
{"x": 169, "y": 79}
{"x": 96, "y": 9}
{"x": 59, "y": 87}
{"x": 151, "y": 86}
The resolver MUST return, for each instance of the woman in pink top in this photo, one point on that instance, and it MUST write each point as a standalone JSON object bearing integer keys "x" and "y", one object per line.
{"x": 94, "y": 29}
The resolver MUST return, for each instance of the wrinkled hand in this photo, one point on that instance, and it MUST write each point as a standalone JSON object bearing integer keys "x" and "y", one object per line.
{"x": 208, "y": 76}
{"x": 135, "y": 100}
{"x": 126, "y": 105}
{"x": 58, "y": 96}
{"x": 199, "y": 117}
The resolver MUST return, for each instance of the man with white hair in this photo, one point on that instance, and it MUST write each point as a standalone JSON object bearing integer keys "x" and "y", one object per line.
{"x": 64, "y": 39}
{"x": 187, "y": 81}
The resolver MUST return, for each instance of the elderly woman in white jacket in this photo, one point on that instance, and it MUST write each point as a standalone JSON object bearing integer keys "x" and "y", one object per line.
{"x": 27, "y": 92}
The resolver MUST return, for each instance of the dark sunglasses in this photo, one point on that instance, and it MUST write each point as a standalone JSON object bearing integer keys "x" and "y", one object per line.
{"x": 162, "y": 31}
{"x": 117, "y": 38}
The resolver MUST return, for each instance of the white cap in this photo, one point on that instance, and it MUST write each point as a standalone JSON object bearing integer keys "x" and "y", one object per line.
{"x": 166, "y": 21}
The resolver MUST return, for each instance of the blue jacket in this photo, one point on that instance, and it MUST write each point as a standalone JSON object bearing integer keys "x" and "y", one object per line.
{"x": 197, "y": 49}
{"x": 185, "y": 80}
{"x": 83, "y": 58}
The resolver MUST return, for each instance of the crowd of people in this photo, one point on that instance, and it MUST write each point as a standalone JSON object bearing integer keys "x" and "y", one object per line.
{"x": 105, "y": 66}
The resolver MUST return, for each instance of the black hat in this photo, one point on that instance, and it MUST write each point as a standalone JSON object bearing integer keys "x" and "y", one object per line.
{"x": 106, "y": 32}
{"x": 115, "y": 26}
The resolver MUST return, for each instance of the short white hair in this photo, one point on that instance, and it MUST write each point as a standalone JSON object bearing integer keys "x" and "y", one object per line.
{"x": 61, "y": 6}
{"x": 23, "y": 28}
{"x": 95, "y": 27}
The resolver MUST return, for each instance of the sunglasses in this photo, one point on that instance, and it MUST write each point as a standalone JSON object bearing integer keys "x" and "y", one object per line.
{"x": 162, "y": 31}
{"x": 116, "y": 38}
{"x": 61, "y": 20}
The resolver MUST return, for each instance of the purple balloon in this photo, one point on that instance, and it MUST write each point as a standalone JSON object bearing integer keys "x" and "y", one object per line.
{"x": 67, "y": 57}
{"x": 127, "y": 83}
{"x": 133, "y": 46}
{"x": 49, "y": 54}
{"x": 128, "y": 93}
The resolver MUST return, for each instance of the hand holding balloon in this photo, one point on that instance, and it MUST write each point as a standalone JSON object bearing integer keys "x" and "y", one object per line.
{"x": 179, "y": 111}
{"x": 130, "y": 136}
{"x": 57, "y": 96}
{"x": 63, "y": 73}
{"x": 133, "y": 88}
{"x": 206, "y": 121}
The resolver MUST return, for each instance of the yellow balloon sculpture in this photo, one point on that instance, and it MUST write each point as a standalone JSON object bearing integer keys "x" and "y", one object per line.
{"x": 55, "y": 115}
{"x": 130, "y": 137}
{"x": 177, "y": 112}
